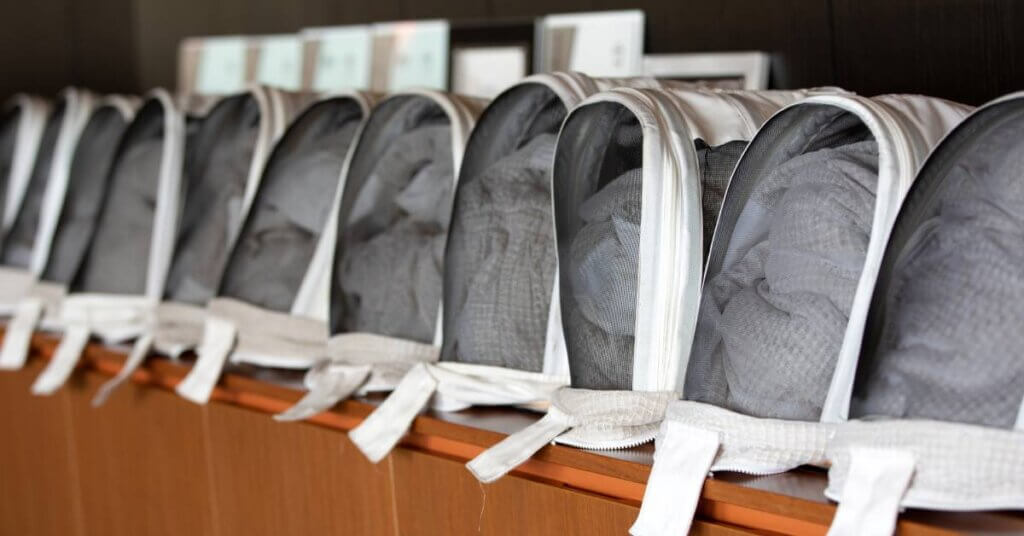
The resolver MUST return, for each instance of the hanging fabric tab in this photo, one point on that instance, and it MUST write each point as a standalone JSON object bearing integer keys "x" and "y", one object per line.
{"x": 382, "y": 430}
{"x": 18, "y": 337}
{"x": 139, "y": 352}
{"x": 218, "y": 340}
{"x": 63, "y": 362}
{"x": 875, "y": 485}
{"x": 682, "y": 460}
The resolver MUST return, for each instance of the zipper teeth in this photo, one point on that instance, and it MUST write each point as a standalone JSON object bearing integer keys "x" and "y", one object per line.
{"x": 615, "y": 445}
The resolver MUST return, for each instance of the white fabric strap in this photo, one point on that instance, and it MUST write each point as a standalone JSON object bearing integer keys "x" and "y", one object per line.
{"x": 218, "y": 340}
{"x": 18, "y": 337}
{"x": 682, "y": 460}
{"x": 875, "y": 485}
{"x": 329, "y": 384}
{"x": 515, "y": 449}
{"x": 382, "y": 430}
{"x": 63, "y": 362}
{"x": 139, "y": 352}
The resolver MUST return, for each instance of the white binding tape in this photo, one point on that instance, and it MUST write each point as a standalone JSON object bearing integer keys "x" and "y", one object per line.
{"x": 218, "y": 340}
{"x": 63, "y": 362}
{"x": 18, "y": 336}
{"x": 875, "y": 485}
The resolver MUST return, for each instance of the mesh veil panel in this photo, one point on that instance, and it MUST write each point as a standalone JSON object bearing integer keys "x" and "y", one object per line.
{"x": 943, "y": 339}
{"x": 8, "y": 141}
{"x": 597, "y": 191}
{"x": 500, "y": 259}
{"x": 780, "y": 283}
{"x": 17, "y": 247}
{"x": 216, "y": 172}
{"x": 117, "y": 261}
{"x": 279, "y": 237}
{"x": 87, "y": 186}
{"x": 394, "y": 223}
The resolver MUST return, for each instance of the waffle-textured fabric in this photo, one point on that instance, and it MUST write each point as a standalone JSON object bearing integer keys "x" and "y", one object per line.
{"x": 216, "y": 171}
{"x": 507, "y": 245}
{"x": 776, "y": 317}
{"x": 390, "y": 269}
{"x": 278, "y": 240}
{"x": 87, "y": 186}
{"x": 951, "y": 346}
{"x": 18, "y": 244}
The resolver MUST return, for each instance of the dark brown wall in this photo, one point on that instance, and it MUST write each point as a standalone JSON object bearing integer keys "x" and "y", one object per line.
{"x": 967, "y": 50}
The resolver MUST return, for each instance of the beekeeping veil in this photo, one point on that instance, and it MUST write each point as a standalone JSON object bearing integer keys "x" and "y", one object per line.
{"x": 794, "y": 256}
{"x": 21, "y": 128}
{"x": 935, "y": 399}
{"x": 265, "y": 311}
{"x": 113, "y": 295}
{"x": 391, "y": 229}
{"x": 636, "y": 175}
{"x": 77, "y": 214}
{"x": 227, "y": 151}
{"x": 502, "y": 338}
{"x": 26, "y": 244}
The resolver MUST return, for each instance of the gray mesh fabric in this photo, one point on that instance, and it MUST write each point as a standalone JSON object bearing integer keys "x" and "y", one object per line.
{"x": 947, "y": 343}
{"x": 117, "y": 260}
{"x": 507, "y": 249}
{"x": 8, "y": 141}
{"x": 391, "y": 264}
{"x": 500, "y": 260}
{"x": 773, "y": 319}
{"x": 217, "y": 170}
{"x": 17, "y": 247}
{"x": 278, "y": 239}
{"x": 87, "y": 186}
{"x": 716, "y": 165}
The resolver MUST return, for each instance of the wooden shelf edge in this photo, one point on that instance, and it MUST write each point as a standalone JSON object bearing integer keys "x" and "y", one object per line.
{"x": 721, "y": 502}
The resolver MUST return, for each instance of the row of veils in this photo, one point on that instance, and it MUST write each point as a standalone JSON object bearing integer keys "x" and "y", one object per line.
{"x": 755, "y": 280}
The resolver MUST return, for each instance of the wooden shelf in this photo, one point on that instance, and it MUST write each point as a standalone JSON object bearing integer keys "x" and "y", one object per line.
{"x": 236, "y": 468}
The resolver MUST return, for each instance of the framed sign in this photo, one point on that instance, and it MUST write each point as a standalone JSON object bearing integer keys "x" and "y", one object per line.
{"x": 410, "y": 54}
{"x": 487, "y": 58}
{"x": 609, "y": 43}
{"x": 734, "y": 70}
{"x": 338, "y": 57}
{"x": 212, "y": 65}
{"x": 279, "y": 62}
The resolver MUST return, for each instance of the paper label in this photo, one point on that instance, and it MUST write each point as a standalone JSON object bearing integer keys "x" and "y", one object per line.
{"x": 410, "y": 54}
{"x": 221, "y": 68}
{"x": 280, "y": 63}
{"x": 597, "y": 44}
{"x": 343, "y": 58}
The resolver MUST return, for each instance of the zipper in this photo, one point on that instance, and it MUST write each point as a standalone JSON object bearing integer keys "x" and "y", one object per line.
{"x": 621, "y": 444}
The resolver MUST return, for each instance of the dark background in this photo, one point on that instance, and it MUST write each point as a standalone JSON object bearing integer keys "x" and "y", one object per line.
{"x": 966, "y": 50}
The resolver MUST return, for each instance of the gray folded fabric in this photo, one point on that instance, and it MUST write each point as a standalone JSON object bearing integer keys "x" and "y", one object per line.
{"x": 780, "y": 312}
{"x": 280, "y": 235}
{"x": 19, "y": 241}
{"x": 950, "y": 347}
{"x": 118, "y": 259}
{"x": 390, "y": 268}
{"x": 508, "y": 247}
{"x": 216, "y": 172}
{"x": 603, "y": 261}
{"x": 87, "y": 186}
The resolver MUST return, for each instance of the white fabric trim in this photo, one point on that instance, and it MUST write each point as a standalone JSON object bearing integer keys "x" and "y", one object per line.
{"x": 168, "y": 196}
{"x": 18, "y": 336}
{"x": 872, "y": 494}
{"x": 328, "y": 384}
{"x": 31, "y": 124}
{"x": 594, "y": 419}
{"x": 138, "y": 354}
{"x": 218, "y": 339}
{"x": 958, "y": 467}
{"x": 63, "y": 362}
{"x": 15, "y": 284}
{"x": 381, "y": 431}
{"x": 515, "y": 449}
{"x": 178, "y": 329}
{"x": 271, "y": 338}
{"x": 682, "y": 460}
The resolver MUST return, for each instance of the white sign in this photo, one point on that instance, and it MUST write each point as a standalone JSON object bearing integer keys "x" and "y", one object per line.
{"x": 410, "y": 54}
{"x": 280, "y": 61}
{"x": 607, "y": 43}
{"x": 343, "y": 57}
{"x": 221, "y": 67}
{"x": 731, "y": 70}
{"x": 487, "y": 71}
